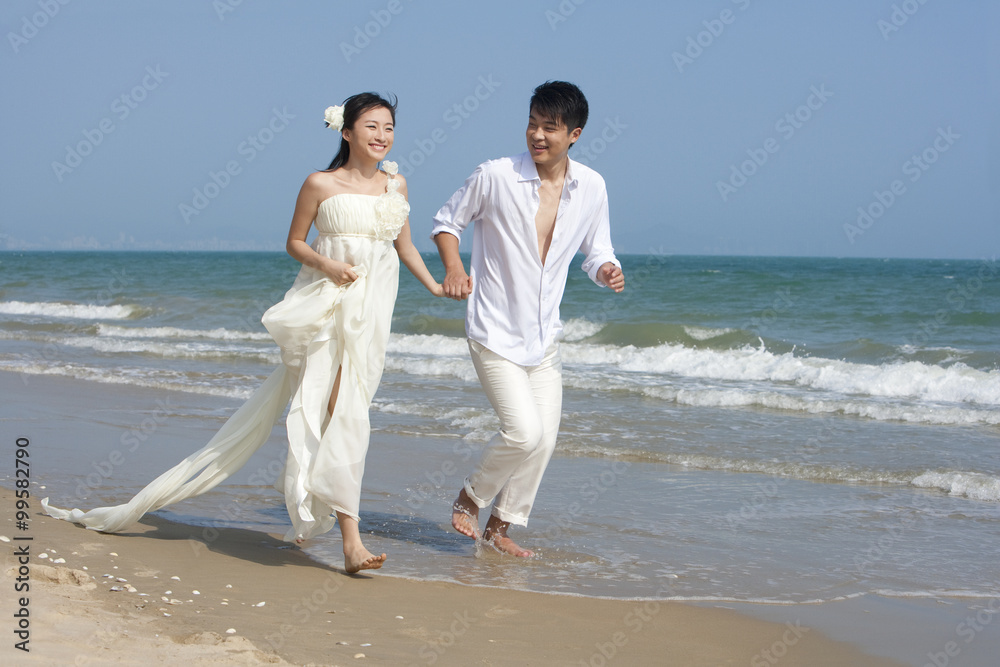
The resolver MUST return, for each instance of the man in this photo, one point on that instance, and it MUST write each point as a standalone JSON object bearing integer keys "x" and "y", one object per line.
{"x": 533, "y": 212}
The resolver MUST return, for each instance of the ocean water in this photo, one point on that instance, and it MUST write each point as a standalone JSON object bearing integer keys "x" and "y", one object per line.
{"x": 735, "y": 428}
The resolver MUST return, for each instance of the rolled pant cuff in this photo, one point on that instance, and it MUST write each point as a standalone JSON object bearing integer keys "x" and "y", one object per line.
{"x": 480, "y": 503}
{"x": 515, "y": 519}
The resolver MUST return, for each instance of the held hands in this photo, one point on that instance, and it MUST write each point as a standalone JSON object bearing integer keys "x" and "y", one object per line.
{"x": 612, "y": 276}
{"x": 437, "y": 289}
{"x": 457, "y": 285}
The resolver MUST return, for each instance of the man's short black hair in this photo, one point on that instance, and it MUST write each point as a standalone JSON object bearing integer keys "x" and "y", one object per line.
{"x": 561, "y": 101}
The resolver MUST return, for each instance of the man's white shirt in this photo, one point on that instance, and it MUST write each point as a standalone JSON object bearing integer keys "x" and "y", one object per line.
{"x": 514, "y": 306}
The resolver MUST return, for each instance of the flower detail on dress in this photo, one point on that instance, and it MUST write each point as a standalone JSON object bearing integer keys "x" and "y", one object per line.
{"x": 390, "y": 167}
{"x": 334, "y": 118}
{"x": 391, "y": 208}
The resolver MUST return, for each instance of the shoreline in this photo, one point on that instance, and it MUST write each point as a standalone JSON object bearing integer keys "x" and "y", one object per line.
{"x": 76, "y": 427}
{"x": 76, "y": 617}
{"x": 313, "y": 614}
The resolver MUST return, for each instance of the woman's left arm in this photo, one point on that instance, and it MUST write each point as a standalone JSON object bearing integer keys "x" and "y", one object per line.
{"x": 410, "y": 256}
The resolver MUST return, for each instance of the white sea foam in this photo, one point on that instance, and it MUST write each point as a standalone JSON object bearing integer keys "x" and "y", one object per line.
{"x": 748, "y": 377}
{"x": 912, "y": 380}
{"x": 976, "y": 486}
{"x": 429, "y": 356}
{"x": 910, "y": 391}
{"x": 114, "y": 331}
{"x": 880, "y": 410}
{"x": 461, "y": 369}
{"x": 84, "y": 311}
{"x": 785, "y": 469}
{"x": 434, "y": 345}
{"x": 578, "y": 329}
{"x": 972, "y": 485}
{"x": 172, "y": 350}
{"x": 479, "y": 425}
{"x": 705, "y": 333}
{"x": 229, "y": 387}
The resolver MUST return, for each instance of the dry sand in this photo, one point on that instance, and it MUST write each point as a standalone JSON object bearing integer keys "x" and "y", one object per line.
{"x": 248, "y": 598}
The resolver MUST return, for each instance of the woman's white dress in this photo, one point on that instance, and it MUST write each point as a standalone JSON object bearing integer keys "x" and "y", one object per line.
{"x": 319, "y": 327}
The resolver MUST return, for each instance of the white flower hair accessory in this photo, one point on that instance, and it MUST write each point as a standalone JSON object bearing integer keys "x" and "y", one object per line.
{"x": 334, "y": 118}
{"x": 391, "y": 208}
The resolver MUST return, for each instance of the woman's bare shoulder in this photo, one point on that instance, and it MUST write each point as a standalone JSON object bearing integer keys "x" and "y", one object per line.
{"x": 321, "y": 185}
{"x": 320, "y": 179}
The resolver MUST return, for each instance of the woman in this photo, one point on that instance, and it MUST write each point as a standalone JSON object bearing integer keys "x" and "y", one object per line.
{"x": 332, "y": 328}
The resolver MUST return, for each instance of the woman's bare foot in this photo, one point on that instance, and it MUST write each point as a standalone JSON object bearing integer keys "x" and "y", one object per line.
{"x": 356, "y": 557}
{"x": 465, "y": 515}
{"x": 359, "y": 558}
{"x": 496, "y": 536}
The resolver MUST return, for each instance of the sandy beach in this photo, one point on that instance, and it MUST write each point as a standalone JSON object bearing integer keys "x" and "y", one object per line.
{"x": 155, "y": 595}
{"x": 169, "y": 593}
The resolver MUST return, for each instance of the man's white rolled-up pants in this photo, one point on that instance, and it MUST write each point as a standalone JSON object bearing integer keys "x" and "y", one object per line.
{"x": 528, "y": 401}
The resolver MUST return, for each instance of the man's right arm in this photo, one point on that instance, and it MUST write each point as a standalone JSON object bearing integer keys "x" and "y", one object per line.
{"x": 457, "y": 283}
{"x": 462, "y": 208}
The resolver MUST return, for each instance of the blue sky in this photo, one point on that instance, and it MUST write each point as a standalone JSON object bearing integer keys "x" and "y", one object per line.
{"x": 861, "y": 128}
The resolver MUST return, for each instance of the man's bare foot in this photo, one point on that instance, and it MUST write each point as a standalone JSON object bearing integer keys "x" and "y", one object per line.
{"x": 465, "y": 515}
{"x": 505, "y": 545}
{"x": 359, "y": 558}
{"x": 495, "y": 535}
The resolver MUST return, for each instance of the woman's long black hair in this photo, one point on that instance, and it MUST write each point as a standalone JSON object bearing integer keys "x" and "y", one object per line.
{"x": 354, "y": 106}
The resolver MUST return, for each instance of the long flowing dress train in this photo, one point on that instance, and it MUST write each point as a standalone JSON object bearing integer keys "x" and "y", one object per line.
{"x": 319, "y": 327}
